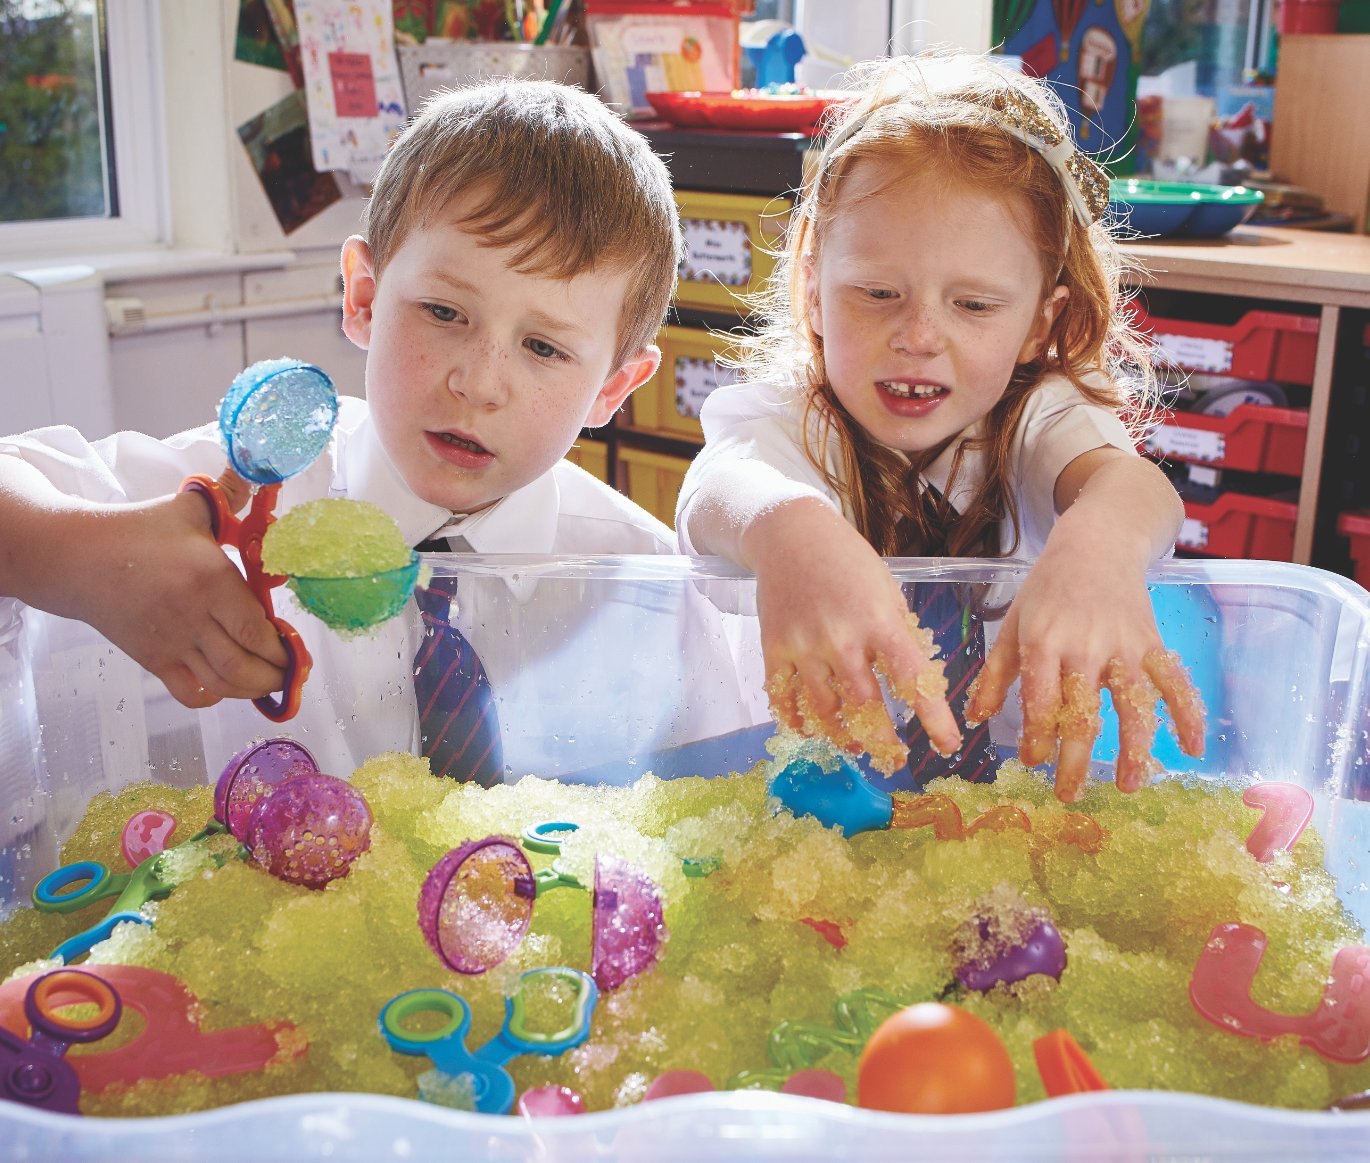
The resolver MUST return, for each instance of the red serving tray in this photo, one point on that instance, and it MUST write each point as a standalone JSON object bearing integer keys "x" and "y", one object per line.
{"x": 777, "y": 112}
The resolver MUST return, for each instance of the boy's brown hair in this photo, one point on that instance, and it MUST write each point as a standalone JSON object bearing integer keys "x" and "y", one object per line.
{"x": 558, "y": 177}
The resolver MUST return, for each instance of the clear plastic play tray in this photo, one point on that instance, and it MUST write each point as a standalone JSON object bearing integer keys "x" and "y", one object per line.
{"x": 610, "y": 668}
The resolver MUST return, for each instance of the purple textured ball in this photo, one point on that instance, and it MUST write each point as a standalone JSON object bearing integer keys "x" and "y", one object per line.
{"x": 1042, "y": 950}
{"x": 252, "y": 775}
{"x": 310, "y": 829}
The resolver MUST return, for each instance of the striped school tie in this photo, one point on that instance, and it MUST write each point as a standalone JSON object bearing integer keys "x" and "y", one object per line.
{"x": 960, "y": 636}
{"x": 945, "y": 609}
{"x": 458, "y": 724}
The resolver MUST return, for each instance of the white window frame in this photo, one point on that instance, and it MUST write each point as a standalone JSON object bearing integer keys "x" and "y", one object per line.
{"x": 917, "y": 24}
{"x": 133, "y": 29}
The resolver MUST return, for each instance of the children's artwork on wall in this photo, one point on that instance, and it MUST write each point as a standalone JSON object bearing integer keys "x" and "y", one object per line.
{"x": 641, "y": 48}
{"x": 1090, "y": 53}
{"x": 473, "y": 19}
{"x": 256, "y": 42}
{"x": 413, "y": 20}
{"x": 282, "y": 16}
{"x": 277, "y": 141}
{"x": 352, "y": 83}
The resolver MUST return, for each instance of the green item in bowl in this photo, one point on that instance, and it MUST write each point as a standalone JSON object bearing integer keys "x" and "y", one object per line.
{"x": 357, "y": 603}
{"x": 1180, "y": 209}
{"x": 346, "y": 561}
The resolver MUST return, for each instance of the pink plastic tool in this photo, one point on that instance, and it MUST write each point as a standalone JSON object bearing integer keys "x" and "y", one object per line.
{"x": 546, "y": 1102}
{"x": 1220, "y": 990}
{"x": 1287, "y": 809}
{"x": 171, "y": 1041}
{"x": 628, "y": 925}
{"x": 146, "y": 834}
{"x": 815, "y": 1083}
{"x": 810, "y": 1083}
{"x": 670, "y": 1083}
{"x": 477, "y": 902}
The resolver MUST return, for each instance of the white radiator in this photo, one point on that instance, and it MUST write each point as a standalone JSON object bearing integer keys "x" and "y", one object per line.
{"x": 54, "y": 351}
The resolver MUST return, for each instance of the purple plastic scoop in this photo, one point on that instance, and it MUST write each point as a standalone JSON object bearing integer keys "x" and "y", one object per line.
{"x": 476, "y": 904}
{"x": 251, "y": 775}
{"x": 627, "y": 920}
{"x": 309, "y": 829}
{"x": 1042, "y": 950}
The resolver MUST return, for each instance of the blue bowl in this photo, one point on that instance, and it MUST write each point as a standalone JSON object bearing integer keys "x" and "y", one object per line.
{"x": 1180, "y": 209}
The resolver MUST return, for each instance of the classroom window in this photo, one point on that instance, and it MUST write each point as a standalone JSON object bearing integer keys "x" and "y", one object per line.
{"x": 79, "y": 126}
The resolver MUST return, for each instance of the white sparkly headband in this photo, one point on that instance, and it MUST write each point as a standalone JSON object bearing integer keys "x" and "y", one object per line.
{"x": 1085, "y": 183}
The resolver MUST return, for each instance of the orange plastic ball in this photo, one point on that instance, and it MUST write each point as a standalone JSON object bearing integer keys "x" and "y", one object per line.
{"x": 935, "y": 1059}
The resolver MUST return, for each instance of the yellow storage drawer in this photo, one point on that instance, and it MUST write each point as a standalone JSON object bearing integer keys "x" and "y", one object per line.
{"x": 592, "y": 456}
{"x": 652, "y": 479}
{"x": 729, "y": 240}
{"x": 668, "y": 404}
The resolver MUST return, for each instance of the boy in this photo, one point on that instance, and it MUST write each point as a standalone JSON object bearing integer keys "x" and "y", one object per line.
{"x": 520, "y": 252}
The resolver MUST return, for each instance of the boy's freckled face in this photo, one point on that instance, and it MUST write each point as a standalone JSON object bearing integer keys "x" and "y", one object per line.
{"x": 480, "y": 377}
{"x": 927, "y": 294}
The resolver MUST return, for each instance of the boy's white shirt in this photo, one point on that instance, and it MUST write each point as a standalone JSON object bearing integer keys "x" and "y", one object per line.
{"x": 576, "y": 708}
{"x": 762, "y": 422}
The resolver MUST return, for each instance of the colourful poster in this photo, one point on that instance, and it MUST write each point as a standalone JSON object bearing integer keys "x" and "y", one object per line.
{"x": 277, "y": 141}
{"x": 1089, "y": 53}
{"x": 356, "y": 106}
{"x": 256, "y": 41}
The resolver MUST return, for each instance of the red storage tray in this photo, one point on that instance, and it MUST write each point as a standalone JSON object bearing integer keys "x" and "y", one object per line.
{"x": 1355, "y": 527}
{"x": 1250, "y": 438}
{"x": 1236, "y": 525}
{"x": 1261, "y": 345}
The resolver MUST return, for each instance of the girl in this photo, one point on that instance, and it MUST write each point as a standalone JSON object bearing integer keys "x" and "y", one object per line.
{"x": 941, "y": 371}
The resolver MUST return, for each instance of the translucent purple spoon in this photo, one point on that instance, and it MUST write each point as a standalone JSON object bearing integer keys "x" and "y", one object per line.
{"x": 628, "y": 926}
{"x": 250, "y": 776}
{"x": 626, "y": 912}
{"x": 476, "y": 903}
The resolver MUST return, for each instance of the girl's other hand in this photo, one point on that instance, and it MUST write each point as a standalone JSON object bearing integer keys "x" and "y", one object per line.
{"x": 1079, "y": 624}
{"x": 832, "y": 616}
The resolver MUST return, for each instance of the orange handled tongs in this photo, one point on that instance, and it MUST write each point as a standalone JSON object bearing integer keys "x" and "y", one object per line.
{"x": 246, "y": 535}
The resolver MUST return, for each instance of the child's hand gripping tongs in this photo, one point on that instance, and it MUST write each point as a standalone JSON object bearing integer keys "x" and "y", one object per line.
{"x": 276, "y": 418}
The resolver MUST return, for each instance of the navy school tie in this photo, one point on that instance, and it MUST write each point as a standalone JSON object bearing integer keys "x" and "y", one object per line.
{"x": 946, "y": 609}
{"x": 458, "y": 724}
{"x": 943, "y": 608}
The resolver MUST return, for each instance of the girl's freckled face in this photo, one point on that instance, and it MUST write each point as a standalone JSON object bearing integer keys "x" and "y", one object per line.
{"x": 926, "y": 294}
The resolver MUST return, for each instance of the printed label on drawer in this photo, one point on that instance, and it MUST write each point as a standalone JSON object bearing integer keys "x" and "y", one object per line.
{"x": 1202, "y": 355}
{"x": 1201, "y": 474}
{"x": 695, "y": 379}
{"x": 1193, "y": 534}
{"x": 716, "y": 251}
{"x": 1193, "y": 443}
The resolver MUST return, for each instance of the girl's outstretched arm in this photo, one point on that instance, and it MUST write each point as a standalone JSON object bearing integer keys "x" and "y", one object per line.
{"x": 1083, "y": 620}
{"x": 831, "y": 613}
